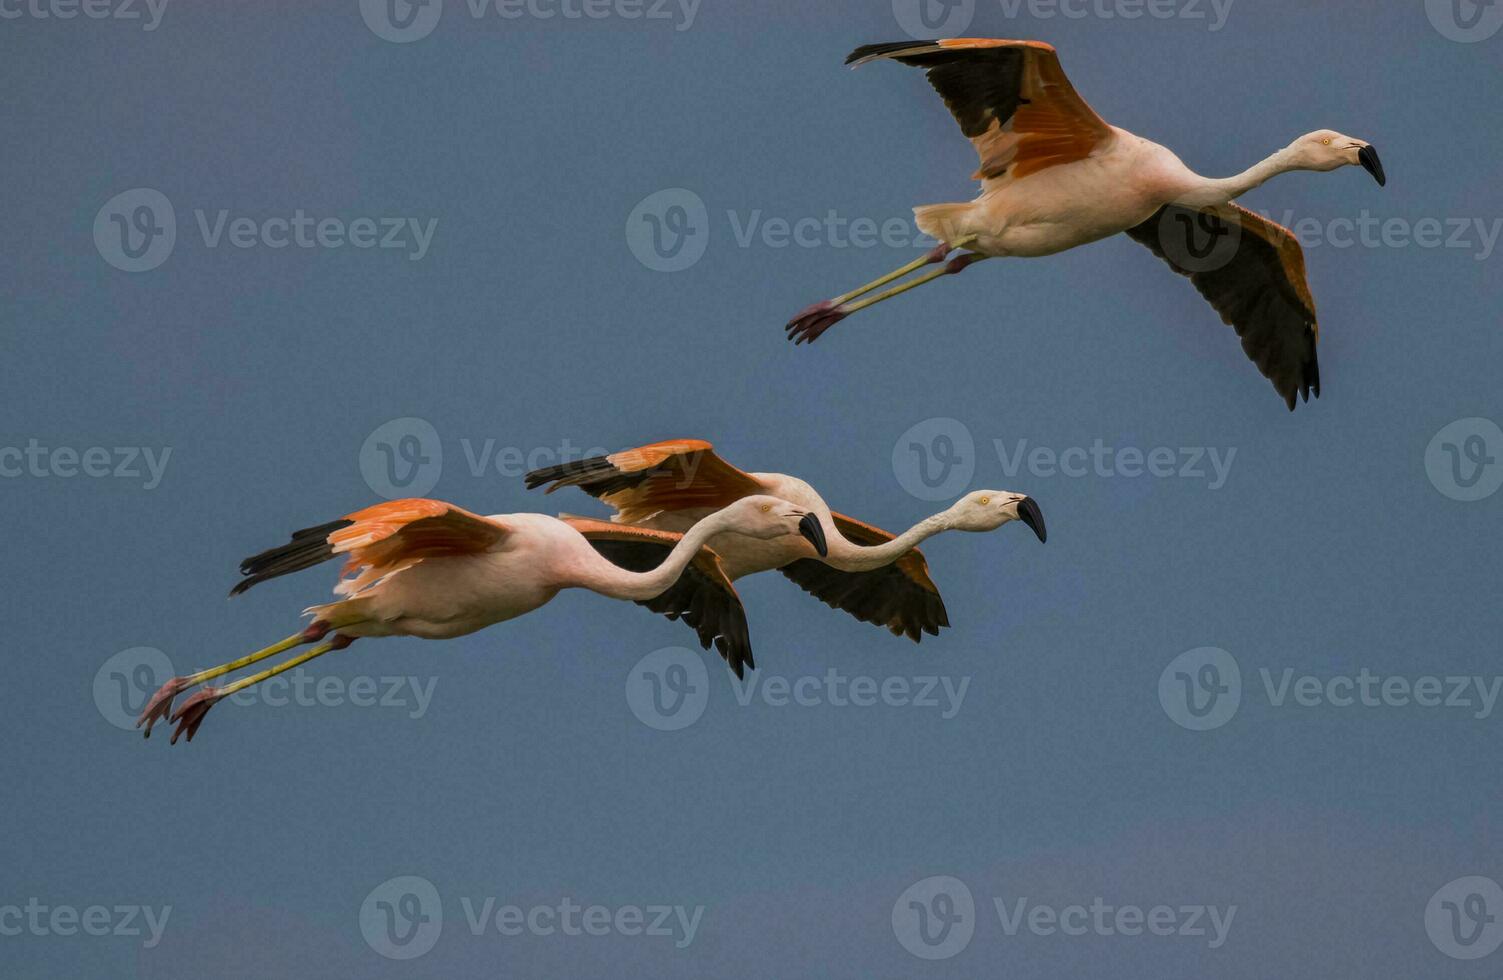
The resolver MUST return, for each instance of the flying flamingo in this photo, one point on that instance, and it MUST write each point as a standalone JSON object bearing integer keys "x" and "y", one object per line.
{"x": 1054, "y": 175}
{"x": 874, "y": 576}
{"x": 430, "y": 569}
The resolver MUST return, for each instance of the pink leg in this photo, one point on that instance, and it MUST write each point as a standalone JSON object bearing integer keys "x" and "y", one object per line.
{"x": 191, "y": 714}
{"x": 813, "y": 321}
{"x": 158, "y": 708}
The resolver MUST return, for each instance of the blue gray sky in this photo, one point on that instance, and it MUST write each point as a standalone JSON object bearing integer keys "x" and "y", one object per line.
{"x": 366, "y": 255}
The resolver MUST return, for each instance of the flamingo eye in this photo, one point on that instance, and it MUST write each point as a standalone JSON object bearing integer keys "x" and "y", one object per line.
{"x": 766, "y": 508}
{"x": 985, "y": 500}
{"x": 1327, "y": 141}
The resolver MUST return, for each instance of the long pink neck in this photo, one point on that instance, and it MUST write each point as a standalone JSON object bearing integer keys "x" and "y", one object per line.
{"x": 850, "y": 557}
{"x": 609, "y": 579}
{"x": 1214, "y": 192}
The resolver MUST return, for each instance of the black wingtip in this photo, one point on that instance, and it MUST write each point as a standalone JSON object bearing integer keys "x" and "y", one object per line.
{"x": 308, "y": 547}
{"x": 869, "y": 52}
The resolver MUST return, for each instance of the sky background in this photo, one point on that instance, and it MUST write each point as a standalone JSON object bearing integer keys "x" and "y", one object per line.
{"x": 537, "y": 323}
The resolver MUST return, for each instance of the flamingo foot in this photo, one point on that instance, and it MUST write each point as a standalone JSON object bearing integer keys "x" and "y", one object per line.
{"x": 160, "y": 705}
{"x": 813, "y": 321}
{"x": 193, "y": 710}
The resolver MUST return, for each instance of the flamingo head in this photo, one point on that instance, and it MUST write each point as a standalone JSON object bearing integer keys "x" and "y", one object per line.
{"x": 987, "y": 510}
{"x": 1326, "y": 149}
{"x": 770, "y": 518}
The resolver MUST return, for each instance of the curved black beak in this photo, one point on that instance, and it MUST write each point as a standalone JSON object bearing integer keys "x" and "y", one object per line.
{"x": 1368, "y": 157}
{"x": 809, "y": 527}
{"x": 1029, "y": 513}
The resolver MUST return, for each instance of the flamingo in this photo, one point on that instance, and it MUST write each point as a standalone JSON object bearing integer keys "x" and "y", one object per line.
{"x": 1054, "y": 175}
{"x": 429, "y": 569}
{"x": 875, "y": 576}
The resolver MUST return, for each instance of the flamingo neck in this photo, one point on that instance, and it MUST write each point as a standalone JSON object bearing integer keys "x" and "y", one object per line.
{"x": 609, "y": 579}
{"x": 1214, "y": 192}
{"x": 849, "y": 557}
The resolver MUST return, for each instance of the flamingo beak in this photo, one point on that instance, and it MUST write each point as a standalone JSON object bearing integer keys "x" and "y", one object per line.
{"x": 1029, "y": 513}
{"x": 1368, "y": 157}
{"x": 808, "y": 526}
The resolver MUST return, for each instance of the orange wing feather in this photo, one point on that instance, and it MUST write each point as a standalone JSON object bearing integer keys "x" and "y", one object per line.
{"x": 379, "y": 540}
{"x": 1012, "y": 99}
{"x": 394, "y": 535}
{"x": 678, "y": 474}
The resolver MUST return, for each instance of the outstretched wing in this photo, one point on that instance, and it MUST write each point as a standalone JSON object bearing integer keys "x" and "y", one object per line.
{"x": 1253, "y": 272}
{"x": 703, "y": 597}
{"x": 1011, "y": 98}
{"x": 681, "y": 474}
{"x": 378, "y": 541}
{"x": 900, "y": 597}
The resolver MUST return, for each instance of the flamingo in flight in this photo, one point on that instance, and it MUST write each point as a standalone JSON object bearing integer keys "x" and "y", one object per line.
{"x": 429, "y": 569}
{"x": 875, "y": 576}
{"x": 1054, "y": 175}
